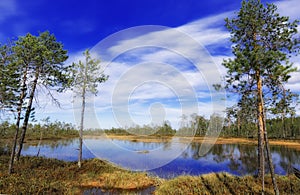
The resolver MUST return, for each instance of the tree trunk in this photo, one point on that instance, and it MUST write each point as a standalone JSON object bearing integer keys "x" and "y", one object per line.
{"x": 40, "y": 142}
{"x": 19, "y": 110}
{"x": 13, "y": 150}
{"x": 81, "y": 129}
{"x": 82, "y": 116}
{"x": 27, "y": 114}
{"x": 238, "y": 125}
{"x": 283, "y": 125}
{"x": 269, "y": 155}
{"x": 260, "y": 119}
{"x": 284, "y": 114}
{"x": 292, "y": 127}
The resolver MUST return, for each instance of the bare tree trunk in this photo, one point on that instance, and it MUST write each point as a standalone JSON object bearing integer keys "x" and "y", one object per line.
{"x": 238, "y": 125}
{"x": 260, "y": 119}
{"x": 13, "y": 150}
{"x": 82, "y": 115}
{"x": 27, "y": 114}
{"x": 19, "y": 110}
{"x": 293, "y": 128}
{"x": 40, "y": 142}
{"x": 284, "y": 114}
{"x": 269, "y": 155}
{"x": 81, "y": 129}
{"x": 283, "y": 125}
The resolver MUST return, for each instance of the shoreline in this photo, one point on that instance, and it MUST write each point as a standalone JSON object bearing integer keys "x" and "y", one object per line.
{"x": 294, "y": 144}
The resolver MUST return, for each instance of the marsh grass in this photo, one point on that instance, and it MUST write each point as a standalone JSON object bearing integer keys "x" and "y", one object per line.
{"x": 224, "y": 183}
{"x": 37, "y": 175}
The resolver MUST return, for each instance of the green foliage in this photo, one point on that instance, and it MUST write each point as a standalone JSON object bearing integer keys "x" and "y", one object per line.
{"x": 263, "y": 43}
{"x": 43, "y": 55}
{"x": 88, "y": 75}
{"x": 9, "y": 79}
{"x": 193, "y": 125}
{"x": 28, "y": 62}
{"x": 165, "y": 129}
{"x": 51, "y": 130}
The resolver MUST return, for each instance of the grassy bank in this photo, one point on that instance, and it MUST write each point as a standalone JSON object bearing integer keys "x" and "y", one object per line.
{"x": 223, "y": 183}
{"x": 36, "y": 175}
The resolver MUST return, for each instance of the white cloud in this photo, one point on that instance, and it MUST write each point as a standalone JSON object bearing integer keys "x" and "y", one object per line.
{"x": 209, "y": 30}
{"x": 175, "y": 74}
{"x": 289, "y": 8}
{"x": 7, "y": 8}
{"x": 158, "y": 65}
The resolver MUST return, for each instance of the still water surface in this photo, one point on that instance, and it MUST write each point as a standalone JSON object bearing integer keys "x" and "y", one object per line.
{"x": 170, "y": 158}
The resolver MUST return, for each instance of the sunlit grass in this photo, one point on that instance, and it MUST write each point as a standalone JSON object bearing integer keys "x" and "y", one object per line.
{"x": 224, "y": 183}
{"x": 35, "y": 175}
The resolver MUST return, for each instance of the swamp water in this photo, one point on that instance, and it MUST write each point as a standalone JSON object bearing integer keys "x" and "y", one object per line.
{"x": 170, "y": 158}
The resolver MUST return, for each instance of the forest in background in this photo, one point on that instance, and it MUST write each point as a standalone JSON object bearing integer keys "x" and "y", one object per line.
{"x": 278, "y": 128}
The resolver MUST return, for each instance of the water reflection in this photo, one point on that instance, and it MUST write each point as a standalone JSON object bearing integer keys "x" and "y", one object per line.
{"x": 66, "y": 149}
{"x": 232, "y": 158}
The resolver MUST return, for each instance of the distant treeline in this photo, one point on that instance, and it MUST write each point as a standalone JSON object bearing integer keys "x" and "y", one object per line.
{"x": 284, "y": 128}
{"x": 195, "y": 125}
{"x": 53, "y": 130}
{"x": 163, "y": 130}
{"x": 287, "y": 128}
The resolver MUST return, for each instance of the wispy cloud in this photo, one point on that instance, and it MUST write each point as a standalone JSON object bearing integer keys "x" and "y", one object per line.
{"x": 164, "y": 64}
{"x": 7, "y": 8}
{"x": 165, "y": 72}
{"x": 289, "y": 8}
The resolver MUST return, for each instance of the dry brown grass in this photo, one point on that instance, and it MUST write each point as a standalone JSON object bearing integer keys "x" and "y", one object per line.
{"x": 120, "y": 180}
{"x": 50, "y": 176}
{"x": 223, "y": 183}
{"x": 39, "y": 175}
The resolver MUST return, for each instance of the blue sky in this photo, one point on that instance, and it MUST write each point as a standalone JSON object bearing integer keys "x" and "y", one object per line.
{"x": 81, "y": 24}
{"x": 156, "y": 72}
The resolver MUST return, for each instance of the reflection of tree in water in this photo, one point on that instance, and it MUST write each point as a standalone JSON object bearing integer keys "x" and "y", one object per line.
{"x": 63, "y": 143}
{"x": 247, "y": 161}
{"x": 242, "y": 158}
{"x": 288, "y": 157}
{"x": 238, "y": 159}
{"x": 192, "y": 151}
{"x": 223, "y": 152}
{"x": 55, "y": 144}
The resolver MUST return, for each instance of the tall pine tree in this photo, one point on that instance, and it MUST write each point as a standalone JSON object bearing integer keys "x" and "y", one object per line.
{"x": 39, "y": 60}
{"x": 262, "y": 44}
{"x": 88, "y": 74}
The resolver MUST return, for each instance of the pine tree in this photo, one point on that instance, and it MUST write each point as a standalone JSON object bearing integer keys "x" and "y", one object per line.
{"x": 40, "y": 63}
{"x": 9, "y": 79}
{"x": 88, "y": 75}
{"x": 263, "y": 42}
